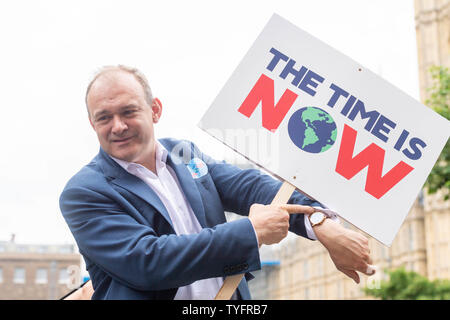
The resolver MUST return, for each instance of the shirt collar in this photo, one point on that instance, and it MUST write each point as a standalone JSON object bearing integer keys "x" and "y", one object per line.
{"x": 161, "y": 158}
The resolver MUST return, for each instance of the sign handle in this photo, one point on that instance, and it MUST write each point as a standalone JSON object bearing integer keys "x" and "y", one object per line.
{"x": 231, "y": 282}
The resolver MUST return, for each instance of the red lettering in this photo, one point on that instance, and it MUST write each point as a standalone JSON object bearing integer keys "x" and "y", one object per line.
{"x": 373, "y": 157}
{"x": 263, "y": 91}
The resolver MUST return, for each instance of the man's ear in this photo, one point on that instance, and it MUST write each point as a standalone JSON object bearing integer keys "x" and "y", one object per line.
{"x": 90, "y": 121}
{"x": 157, "y": 109}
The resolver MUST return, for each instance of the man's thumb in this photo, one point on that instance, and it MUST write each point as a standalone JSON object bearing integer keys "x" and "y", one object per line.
{"x": 352, "y": 274}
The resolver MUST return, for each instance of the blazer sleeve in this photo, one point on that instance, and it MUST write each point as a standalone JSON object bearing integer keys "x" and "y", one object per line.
{"x": 239, "y": 189}
{"x": 133, "y": 253}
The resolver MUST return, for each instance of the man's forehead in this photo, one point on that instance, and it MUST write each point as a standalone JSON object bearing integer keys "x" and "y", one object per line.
{"x": 116, "y": 79}
{"x": 113, "y": 83}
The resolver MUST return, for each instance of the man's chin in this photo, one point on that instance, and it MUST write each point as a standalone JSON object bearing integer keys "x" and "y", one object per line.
{"x": 122, "y": 155}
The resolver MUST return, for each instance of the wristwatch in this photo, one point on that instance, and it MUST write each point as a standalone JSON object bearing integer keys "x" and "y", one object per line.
{"x": 317, "y": 218}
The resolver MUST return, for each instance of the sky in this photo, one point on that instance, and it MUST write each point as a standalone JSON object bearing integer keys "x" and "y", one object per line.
{"x": 188, "y": 49}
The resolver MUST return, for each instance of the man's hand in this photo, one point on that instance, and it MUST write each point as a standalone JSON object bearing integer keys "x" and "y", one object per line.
{"x": 348, "y": 249}
{"x": 271, "y": 222}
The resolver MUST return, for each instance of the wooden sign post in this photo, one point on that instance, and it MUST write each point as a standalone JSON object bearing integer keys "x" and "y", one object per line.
{"x": 231, "y": 283}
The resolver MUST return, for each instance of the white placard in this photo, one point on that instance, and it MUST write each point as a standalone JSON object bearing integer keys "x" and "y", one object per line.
{"x": 341, "y": 134}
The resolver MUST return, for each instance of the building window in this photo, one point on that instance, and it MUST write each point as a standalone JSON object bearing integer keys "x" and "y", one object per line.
{"x": 321, "y": 292}
{"x": 411, "y": 237}
{"x": 65, "y": 249}
{"x": 306, "y": 293}
{"x": 321, "y": 272}
{"x": 42, "y": 249}
{"x": 421, "y": 198}
{"x": 384, "y": 253}
{"x": 339, "y": 289}
{"x": 21, "y": 249}
{"x": 19, "y": 275}
{"x": 41, "y": 275}
{"x": 63, "y": 276}
{"x": 305, "y": 270}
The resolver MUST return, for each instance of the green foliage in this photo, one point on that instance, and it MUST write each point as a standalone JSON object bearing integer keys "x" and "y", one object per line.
{"x": 409, "y": 285}
{"x": 439, "y": 178}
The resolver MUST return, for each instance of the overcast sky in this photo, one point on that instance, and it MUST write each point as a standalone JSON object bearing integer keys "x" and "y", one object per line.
{"x": 187, "y": 49}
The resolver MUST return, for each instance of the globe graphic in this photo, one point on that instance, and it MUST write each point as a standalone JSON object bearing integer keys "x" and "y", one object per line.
{"x": 312, "y": 129}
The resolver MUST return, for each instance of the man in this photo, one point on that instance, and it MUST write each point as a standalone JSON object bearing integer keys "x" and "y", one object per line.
{"x": 148, "y": 216}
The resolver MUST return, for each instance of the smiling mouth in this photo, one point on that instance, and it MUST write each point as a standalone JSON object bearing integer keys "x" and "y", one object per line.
{"x": 122, "y": 140}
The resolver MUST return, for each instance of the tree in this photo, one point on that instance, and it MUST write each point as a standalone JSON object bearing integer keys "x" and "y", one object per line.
{"x": 409, "y": 285}
{"x": 439, "y": 178}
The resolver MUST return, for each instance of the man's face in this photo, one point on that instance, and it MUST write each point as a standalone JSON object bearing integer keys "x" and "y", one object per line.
{"x": 122, "y": 118}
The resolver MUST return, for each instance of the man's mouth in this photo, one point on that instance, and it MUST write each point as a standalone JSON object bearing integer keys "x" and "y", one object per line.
{"x": 122, "y": 140}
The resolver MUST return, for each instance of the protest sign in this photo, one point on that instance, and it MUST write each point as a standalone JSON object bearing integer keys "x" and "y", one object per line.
{"x": 337, "y": 131}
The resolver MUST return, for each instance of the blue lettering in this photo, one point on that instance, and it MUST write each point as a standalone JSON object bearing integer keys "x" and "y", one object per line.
{"x": 289, "y": 69}
{"x": 401, "y": 140}
{"x": 308, "y": 80}
{"x": 348, "y": 105}
{"x": 381, "y": 126}
{"x": 416, "y": 154}
{"x": 338, "y": 92}
{"x": 277, "y": 56}
{"x": 359, "y": 108}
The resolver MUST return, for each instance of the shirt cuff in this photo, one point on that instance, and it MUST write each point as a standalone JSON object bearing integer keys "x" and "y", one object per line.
{"x": 309, "y": 229}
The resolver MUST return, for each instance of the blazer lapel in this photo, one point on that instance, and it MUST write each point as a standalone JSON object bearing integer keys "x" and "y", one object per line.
{"x": 189, "y": 187}
{"x": 122, "y": 178}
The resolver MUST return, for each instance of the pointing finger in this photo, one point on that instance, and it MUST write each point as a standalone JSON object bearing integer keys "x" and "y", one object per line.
{"x": 297, "y": 208}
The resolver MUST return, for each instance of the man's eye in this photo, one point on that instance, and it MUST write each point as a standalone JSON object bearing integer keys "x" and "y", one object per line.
{"x": 129, "y": 112}
{"x": 102, "y": 119}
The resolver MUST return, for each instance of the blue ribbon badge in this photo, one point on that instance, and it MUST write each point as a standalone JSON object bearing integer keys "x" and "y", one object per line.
{"x": 197, "y": 168}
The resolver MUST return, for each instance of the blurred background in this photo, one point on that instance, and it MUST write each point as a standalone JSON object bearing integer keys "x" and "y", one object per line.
{"x": 188, "y": 49}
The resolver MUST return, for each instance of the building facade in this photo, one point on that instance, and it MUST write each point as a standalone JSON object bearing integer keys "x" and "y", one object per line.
{"x": 39, "y": 272}
{"x": 432, "y": 21}
{"x": 433, "y": 47}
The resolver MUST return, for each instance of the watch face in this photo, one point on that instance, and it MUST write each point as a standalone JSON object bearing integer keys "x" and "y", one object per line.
{"x": 316, "y": 217}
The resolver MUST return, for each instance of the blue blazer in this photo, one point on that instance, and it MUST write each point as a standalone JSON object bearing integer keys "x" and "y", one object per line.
{"x": 126, "y": 237}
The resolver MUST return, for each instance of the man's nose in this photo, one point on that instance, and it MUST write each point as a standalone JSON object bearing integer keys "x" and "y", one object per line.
{"x": 119, "y": 126}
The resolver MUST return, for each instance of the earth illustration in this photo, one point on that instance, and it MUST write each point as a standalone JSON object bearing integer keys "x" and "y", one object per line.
{"x": 312, "y": 129}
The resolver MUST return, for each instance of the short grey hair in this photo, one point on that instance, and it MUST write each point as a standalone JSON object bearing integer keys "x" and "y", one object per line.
{"x": 140, "y": 77}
